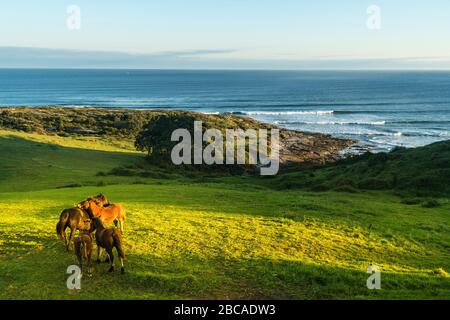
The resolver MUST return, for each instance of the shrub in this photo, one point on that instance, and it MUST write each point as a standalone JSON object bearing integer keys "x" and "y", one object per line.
{"x": 320, "y": 188}
{"x": 410, "y": 201}
{"x": 430, "y": 203}
{"x": 73, "y": 185}
{"x": 155, "y": 175}
{"x": 378, "y": 158}
{"x": 155, "y": 138}
{"x": 346, "y": 188}
{"x": 120, "y": 171}
{"x": 374, "y": 184}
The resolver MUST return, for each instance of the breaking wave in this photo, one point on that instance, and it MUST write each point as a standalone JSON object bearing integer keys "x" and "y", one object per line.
{"x": 280, "y": 113}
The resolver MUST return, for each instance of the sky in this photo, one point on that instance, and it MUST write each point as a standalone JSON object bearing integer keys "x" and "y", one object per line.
{"x": 226, "y": 34}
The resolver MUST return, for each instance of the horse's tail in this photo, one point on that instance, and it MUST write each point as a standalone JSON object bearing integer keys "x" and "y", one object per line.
{"x": 117, "y": 238}
{"x": 121, "y": 217}
{"x": 61, "y": 225}
{"x": 58, "y": 229}
{"x": 121, "y": 213}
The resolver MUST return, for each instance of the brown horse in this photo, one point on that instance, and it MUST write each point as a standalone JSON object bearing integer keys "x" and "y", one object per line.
{"x": 72, "y": 218}
{"x": 108, "y": 239}
{"x": 101, "y": 200}
{"x": 83, "y": 246}
{"x": 112, "y": 213}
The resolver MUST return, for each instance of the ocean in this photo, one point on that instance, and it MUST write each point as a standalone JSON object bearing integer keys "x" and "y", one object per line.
{"x": 381, "y": 109}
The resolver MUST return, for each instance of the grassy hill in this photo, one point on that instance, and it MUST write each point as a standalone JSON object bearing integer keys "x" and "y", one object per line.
{"x": 229, "y": 237}
{"x": 420, "y": 172}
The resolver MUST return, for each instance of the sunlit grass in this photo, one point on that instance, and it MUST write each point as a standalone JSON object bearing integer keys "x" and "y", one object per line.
{"x": 218, "y": 240}
{"x": 81, "y": 142}
{"x": 179, "y": 244}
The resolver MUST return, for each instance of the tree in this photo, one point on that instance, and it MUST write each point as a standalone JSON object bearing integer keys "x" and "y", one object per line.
{"x": 155, "y": 137}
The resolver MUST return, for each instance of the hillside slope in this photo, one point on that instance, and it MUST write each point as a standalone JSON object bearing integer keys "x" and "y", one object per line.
{"x": 227, "y": 238}
{"x": 420, "y": 171}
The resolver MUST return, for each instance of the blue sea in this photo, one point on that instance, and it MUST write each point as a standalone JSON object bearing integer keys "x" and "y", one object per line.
{"x": 380, "y": 109}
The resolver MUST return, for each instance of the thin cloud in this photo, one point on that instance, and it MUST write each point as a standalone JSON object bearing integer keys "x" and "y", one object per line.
{"x": 62, "y": 58}
{"x": 24, "y": 57}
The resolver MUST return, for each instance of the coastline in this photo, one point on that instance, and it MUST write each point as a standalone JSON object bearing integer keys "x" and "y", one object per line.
{"x": 297, "y": 147}
{"x": 380, "y": 110}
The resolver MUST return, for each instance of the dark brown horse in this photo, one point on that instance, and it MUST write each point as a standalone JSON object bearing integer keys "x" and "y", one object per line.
{"x": 83, "y": 246}
{"x": 108, "y": 238}
{"x": 72, "y": 218}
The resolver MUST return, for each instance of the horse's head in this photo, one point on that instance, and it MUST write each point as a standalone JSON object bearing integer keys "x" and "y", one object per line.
{"x": 96, "y": 224}
{"x": 85, "y": 204}
{"x": 87, "y": 225}
{"x": 101, "y": 200}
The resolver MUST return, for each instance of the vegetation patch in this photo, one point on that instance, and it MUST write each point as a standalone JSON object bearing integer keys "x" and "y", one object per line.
{"x": 192, "y": 234}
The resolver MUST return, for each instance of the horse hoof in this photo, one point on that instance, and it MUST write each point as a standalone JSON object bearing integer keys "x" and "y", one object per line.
{"x": 111, "y": 269}
{"x": 122, "y": 270}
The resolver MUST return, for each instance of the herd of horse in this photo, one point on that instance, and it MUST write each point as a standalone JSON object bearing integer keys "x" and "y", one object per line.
{"x": 89, "y": 216}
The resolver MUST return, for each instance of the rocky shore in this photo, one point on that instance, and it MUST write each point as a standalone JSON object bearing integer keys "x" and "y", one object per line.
{"x": 311, "y": 148}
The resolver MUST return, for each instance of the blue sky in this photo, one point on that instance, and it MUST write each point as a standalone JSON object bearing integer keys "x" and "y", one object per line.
{"x": 267, "y": 34}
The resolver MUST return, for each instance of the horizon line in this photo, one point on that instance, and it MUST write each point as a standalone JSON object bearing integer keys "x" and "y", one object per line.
{"x": 233, "y": 69}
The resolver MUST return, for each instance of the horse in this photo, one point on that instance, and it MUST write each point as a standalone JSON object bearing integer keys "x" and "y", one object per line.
{"x": 72, "y": 218}
{"x": 83, "y": 246}
{"x": 108, "y": 239}
{"x": 112, "y": 213}
{"x": 101, "y": 200}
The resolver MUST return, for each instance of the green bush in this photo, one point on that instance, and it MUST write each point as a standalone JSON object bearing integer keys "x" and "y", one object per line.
{"x": 320, "y": 188}
{"x": 121, "y": 171}
{"x": 374, "y": 184}
{"x": 346, "y": 188}
{"x": 72, "y": 185}
{"x": 411, "y": 201}
{"x": 430, "y": 203}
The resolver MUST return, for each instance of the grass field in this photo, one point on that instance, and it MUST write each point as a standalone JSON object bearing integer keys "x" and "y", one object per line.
{"x": 233, "y": 237}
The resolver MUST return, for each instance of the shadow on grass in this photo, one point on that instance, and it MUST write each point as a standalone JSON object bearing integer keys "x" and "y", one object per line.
{"x": 194, "y": 278}
{"x": 31, "y": 165}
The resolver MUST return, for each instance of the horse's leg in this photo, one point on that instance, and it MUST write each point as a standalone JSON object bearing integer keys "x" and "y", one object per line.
{"x": 89, "y": 254}
{"x": 111, "y": 258}
{"x": 120, "y": 253}
{"x": 65, "y": 237}
{"x": 79, "y": 253}
{"x": 99, "y": 249}
{"x": 85, "y": 254}
{"x": 122, "y": 268}
{"x": 70, "y": 238}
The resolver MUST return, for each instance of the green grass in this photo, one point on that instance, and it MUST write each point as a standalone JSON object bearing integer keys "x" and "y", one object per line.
{"x": 33, "y": 162}
{"x": 421, "y": 172}
{"x": 229, "y": 238}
